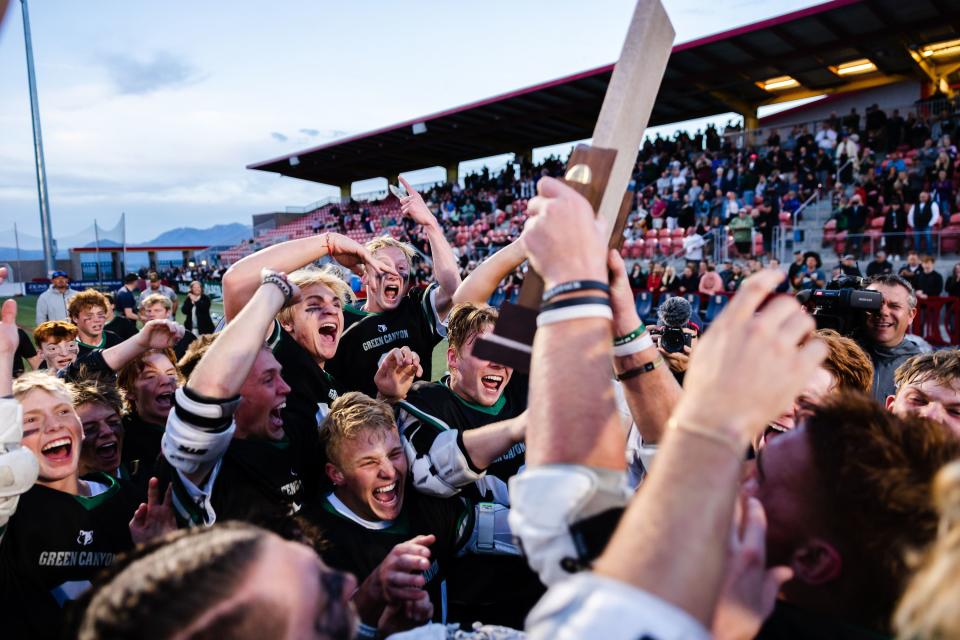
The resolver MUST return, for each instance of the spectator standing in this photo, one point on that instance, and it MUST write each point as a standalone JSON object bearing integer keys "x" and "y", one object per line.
{"x": 711, "y": 282}
{"x": 923, "y": 217}
{"x": 196, "y": 309}
{"x": 953, "y": 282}
{"x": 879, "y": 265}
{"x": 154, "y": 285}
{"x": 928, "y": 282}
{"x": 943, "y": 193}
{"x": 910, "y": 270}
{"x": 742, "y": 229}
{"x": 848, "y": 266}
{"x": 54, "y": 303}
{"x": 638, "y": 279}
{"x": 827, "y": 138}
{"x": 811, "y": 276}
{"x": 126, "y": 308}
{"x": 693, "y": 245}
{"x": 856, "y": 215}
{"x": 795, "y": 266}
{"x": 114, "y": 323}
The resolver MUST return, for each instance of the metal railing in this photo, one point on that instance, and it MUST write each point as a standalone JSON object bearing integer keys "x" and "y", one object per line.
{"x": 942, "y": 242}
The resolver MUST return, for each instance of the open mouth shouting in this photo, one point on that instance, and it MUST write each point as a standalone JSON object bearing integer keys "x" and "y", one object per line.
{"x": 492, "y": 382}
{"x": 58, "y": 451}
{"x": 329, "y": 331}
{"x": 276, "y": 417}
{"x": 164, "y": 402}
{"x": 391, "y": 292}
{"x": 387, "y": 496}
{"x": 108, "y": 454}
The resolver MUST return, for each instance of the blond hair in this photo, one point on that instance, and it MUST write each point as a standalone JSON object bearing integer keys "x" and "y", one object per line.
{"x": 351, "y": 414}
{"x": 54, "y": 331}
{"x": 928, "y": 608}
{"x": 43, "y": 381}
{"x": 310, "y": 276}
{"x": 157, "y": 298}
{"x": 382, "y": 242}
{"x": 942, "y": 367}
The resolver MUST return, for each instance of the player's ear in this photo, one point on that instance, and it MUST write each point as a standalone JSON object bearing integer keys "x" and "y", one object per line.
{"x": 334, "y": 474}
{"x": 452, "y": 358}
{"x": 888, "y": 403}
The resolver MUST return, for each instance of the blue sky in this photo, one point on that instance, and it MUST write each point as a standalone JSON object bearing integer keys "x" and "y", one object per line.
{"x": 155, "y": 108}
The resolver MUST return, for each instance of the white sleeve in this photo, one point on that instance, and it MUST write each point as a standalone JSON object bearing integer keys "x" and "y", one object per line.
{"x": 18, "y": 465}
{"x": 910, "y": 216}
{"x": 935, "y": 211}
{"x": 591, "y": 606}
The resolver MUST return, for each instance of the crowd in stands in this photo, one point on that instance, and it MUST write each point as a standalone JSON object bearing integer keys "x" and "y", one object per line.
{"x": 302, "y": 472}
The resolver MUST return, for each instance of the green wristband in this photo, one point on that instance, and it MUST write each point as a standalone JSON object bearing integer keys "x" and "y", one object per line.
{"x": 630, "y": 337}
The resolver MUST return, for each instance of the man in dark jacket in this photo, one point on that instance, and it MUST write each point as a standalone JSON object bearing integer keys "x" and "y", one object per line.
{"x": 886, "y": 340}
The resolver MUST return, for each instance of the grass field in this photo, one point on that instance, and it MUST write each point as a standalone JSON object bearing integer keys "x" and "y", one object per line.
{"x": 27, "y": 316}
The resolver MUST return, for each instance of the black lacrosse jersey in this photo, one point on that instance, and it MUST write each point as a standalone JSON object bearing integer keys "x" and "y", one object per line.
{"x": 412, "y": 324}
{"x": 141, "y": 448}
{"x": 257, "y": 482}
{"x": 53, "y": 546}
{"x": 312, "y": 391}
{"x": 432, "y": 408}
{"x": 476, "y": 588}
{"x": 107, "y": 339}
{"x": 358, "y": 546}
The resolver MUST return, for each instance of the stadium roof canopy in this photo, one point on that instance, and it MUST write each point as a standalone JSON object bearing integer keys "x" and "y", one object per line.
{"x": 796, "y": 55}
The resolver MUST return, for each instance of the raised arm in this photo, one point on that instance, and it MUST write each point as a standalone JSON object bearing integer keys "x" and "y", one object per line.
{"x": 241, "y": 281}
{"x": 18, "y": 466}
{"x": 688, "y": 500}
{"x": 200, "y": 427}
{"x": 649, "y": 387}
{"x": 483, "y": 281}
{"x": 446, "y": 271}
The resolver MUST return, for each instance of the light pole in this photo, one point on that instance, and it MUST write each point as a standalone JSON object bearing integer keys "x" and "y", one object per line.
{"x": 49, "y": 257}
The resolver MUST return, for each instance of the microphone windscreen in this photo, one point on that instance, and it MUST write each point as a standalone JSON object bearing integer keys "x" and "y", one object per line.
{"x": 674, "y": 312}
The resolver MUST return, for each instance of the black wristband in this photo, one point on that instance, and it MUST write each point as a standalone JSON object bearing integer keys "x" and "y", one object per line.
{"x": 574, "y": 302}
{"x": 642, "y": 369}
{"x": 280, "y": 282}
{"x": 575, "y": 285}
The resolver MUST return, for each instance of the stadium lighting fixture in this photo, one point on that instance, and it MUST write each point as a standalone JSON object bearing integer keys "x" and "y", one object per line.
{"x": 779, "y": 83}
{"x": 945, "y": 49}
{"x": 294, "y": 161}
{"x": 854, "y": 67}
{"x": 419, "y": 127}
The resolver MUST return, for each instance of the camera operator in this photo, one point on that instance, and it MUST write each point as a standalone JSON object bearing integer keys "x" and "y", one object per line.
{"x": 885, "y": 338}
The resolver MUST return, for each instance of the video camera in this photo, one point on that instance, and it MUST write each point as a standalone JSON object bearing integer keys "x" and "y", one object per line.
{"x": 842, "y": 305}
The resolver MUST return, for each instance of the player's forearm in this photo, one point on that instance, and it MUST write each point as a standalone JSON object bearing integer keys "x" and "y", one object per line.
{"x": 571, "y": 362}
{"x": 119, "y": 355}
{"x": 241, "y": 281}
{"x": 651, "y": 396}
{"x": 686, "y": 505}
{"x": 222, "y": 371}
{"x": 486, "y": 444}
{"x": 446, "y": 270}
{"x": 482, "y": 281}
{"x": 368, "y": 599}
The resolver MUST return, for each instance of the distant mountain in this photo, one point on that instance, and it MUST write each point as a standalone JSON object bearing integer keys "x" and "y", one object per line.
{"x": 221, "y": 234}
{"x": 218, "y": 235}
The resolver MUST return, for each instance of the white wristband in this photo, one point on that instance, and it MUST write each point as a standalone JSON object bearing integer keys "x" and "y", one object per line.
{"x": 574, "y": 313}
{"x": 634, "y": 346}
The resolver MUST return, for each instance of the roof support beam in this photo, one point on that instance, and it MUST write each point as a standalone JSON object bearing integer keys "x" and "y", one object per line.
{"x": 936, "y": 74}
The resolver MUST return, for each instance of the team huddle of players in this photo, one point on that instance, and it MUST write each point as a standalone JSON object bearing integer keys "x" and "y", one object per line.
{"x": 313, "y": 417}
{"x": 291, "y": 410}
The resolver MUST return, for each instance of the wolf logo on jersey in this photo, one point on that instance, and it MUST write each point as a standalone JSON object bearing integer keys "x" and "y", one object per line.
{"x": 85, "y": 538}
{"x": 382, "y": 328}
